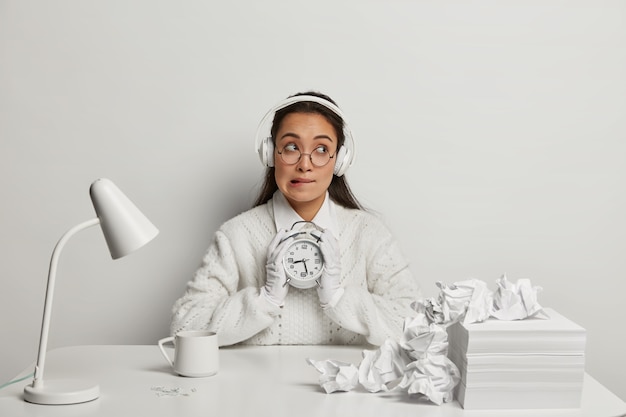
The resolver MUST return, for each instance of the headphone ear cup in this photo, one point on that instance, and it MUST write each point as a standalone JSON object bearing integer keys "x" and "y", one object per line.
{"x": 266, "y": 152}
{"x": 343, "y": 161}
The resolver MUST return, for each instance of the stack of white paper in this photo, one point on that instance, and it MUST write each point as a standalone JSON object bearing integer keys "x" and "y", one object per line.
{"x": 531, "y": 363}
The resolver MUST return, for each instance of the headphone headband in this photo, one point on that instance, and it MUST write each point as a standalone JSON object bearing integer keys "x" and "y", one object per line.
{"x": 345, "y": 156}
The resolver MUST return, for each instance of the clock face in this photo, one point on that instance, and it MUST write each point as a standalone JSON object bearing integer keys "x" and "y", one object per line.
{"x": 303, "y": 263}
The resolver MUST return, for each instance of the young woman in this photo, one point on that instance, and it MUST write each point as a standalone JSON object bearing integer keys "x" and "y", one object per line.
{"x": 241, "y": 290}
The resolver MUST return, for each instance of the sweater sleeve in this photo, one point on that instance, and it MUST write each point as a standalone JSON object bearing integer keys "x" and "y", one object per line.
{"x": 376, "y": 306}
{"x": 220, "y": 300}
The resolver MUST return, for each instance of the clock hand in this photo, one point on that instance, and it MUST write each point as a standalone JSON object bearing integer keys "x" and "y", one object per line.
{"x": 303, "y": 260}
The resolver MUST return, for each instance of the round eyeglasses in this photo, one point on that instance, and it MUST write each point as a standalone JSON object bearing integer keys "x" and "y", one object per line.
{"x": 291, "y": 155}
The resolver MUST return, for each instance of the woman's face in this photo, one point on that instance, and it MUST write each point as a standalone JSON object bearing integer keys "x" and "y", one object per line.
{"x": 304, "y": 184}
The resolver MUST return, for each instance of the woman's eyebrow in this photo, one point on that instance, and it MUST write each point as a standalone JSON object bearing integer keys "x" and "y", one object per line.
{"x": 290, "y": 135}
{"x": 324, "y": 137}
{"x": 296, "y": 136}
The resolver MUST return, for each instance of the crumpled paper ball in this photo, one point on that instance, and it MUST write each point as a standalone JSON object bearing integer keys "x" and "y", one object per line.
{"x": 469, "y": 301}
{"x": 420, "y": 337}
{"x": 382, "y": 366}
{"x": 516, "y": 301}
{"x": 432, "y": 376}
{"x": 431, "y": 308}
{"x": 336, "y": 375}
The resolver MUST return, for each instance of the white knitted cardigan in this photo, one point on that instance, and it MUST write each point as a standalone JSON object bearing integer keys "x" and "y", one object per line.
{"x": 224, "y": 294}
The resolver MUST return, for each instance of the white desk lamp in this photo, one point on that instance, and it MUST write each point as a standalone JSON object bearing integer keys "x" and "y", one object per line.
{"x": 125, "y": 229}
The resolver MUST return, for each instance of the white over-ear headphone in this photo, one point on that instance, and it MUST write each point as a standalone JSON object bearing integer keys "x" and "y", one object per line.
{"x": 265, "y": 146}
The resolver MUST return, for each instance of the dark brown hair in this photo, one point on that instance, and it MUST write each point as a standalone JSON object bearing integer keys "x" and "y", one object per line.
{"x": 338, "y": 189}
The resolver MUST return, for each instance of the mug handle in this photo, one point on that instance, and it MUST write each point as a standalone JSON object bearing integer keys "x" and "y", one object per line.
{"x": 165, "y": 355}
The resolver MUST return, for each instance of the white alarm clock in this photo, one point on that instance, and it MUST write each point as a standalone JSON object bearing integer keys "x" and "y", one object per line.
{"x": 303, "y": 260}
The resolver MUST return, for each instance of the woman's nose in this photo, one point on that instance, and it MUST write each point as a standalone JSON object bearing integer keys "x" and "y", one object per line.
{"x": 305, "y": 163}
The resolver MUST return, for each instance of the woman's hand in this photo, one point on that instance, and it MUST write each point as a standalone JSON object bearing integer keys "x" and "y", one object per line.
{"x": 330, "y": 290}
{"x": 275, "y": 289}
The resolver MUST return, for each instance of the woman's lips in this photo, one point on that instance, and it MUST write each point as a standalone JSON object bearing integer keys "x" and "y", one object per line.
{"x": 297, "y": 181}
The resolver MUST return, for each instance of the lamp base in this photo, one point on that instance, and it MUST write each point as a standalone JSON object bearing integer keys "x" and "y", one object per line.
{"x": 63, "y": 391}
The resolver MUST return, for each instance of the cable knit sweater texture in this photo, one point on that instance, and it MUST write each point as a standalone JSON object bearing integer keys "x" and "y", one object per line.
{"x": 224, "y": 295}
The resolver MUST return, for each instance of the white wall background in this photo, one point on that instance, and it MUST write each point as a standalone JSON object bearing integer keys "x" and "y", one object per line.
{"x": 490, "y": 136}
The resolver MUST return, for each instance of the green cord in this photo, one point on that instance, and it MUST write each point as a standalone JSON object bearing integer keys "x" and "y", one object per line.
{"x": 16, "y": 380}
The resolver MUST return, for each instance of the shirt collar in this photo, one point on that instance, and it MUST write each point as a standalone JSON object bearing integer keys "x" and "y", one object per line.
{"x": 285, "y": 216}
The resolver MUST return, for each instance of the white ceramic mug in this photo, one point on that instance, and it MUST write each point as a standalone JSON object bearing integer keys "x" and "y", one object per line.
{"x": 196, "y": 353}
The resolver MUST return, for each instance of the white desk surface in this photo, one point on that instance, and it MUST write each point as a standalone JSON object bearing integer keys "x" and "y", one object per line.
{"x": 253, "y": 381}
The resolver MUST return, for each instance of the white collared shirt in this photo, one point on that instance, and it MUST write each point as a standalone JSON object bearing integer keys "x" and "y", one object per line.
{"x": 285, "y": 216}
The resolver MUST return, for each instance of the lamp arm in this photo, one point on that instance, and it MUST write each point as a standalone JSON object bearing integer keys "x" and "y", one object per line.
{"x": 45, "y": 325}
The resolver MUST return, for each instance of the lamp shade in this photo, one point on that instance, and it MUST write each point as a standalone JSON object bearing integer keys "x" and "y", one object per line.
{"x": 125, "y": 228}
